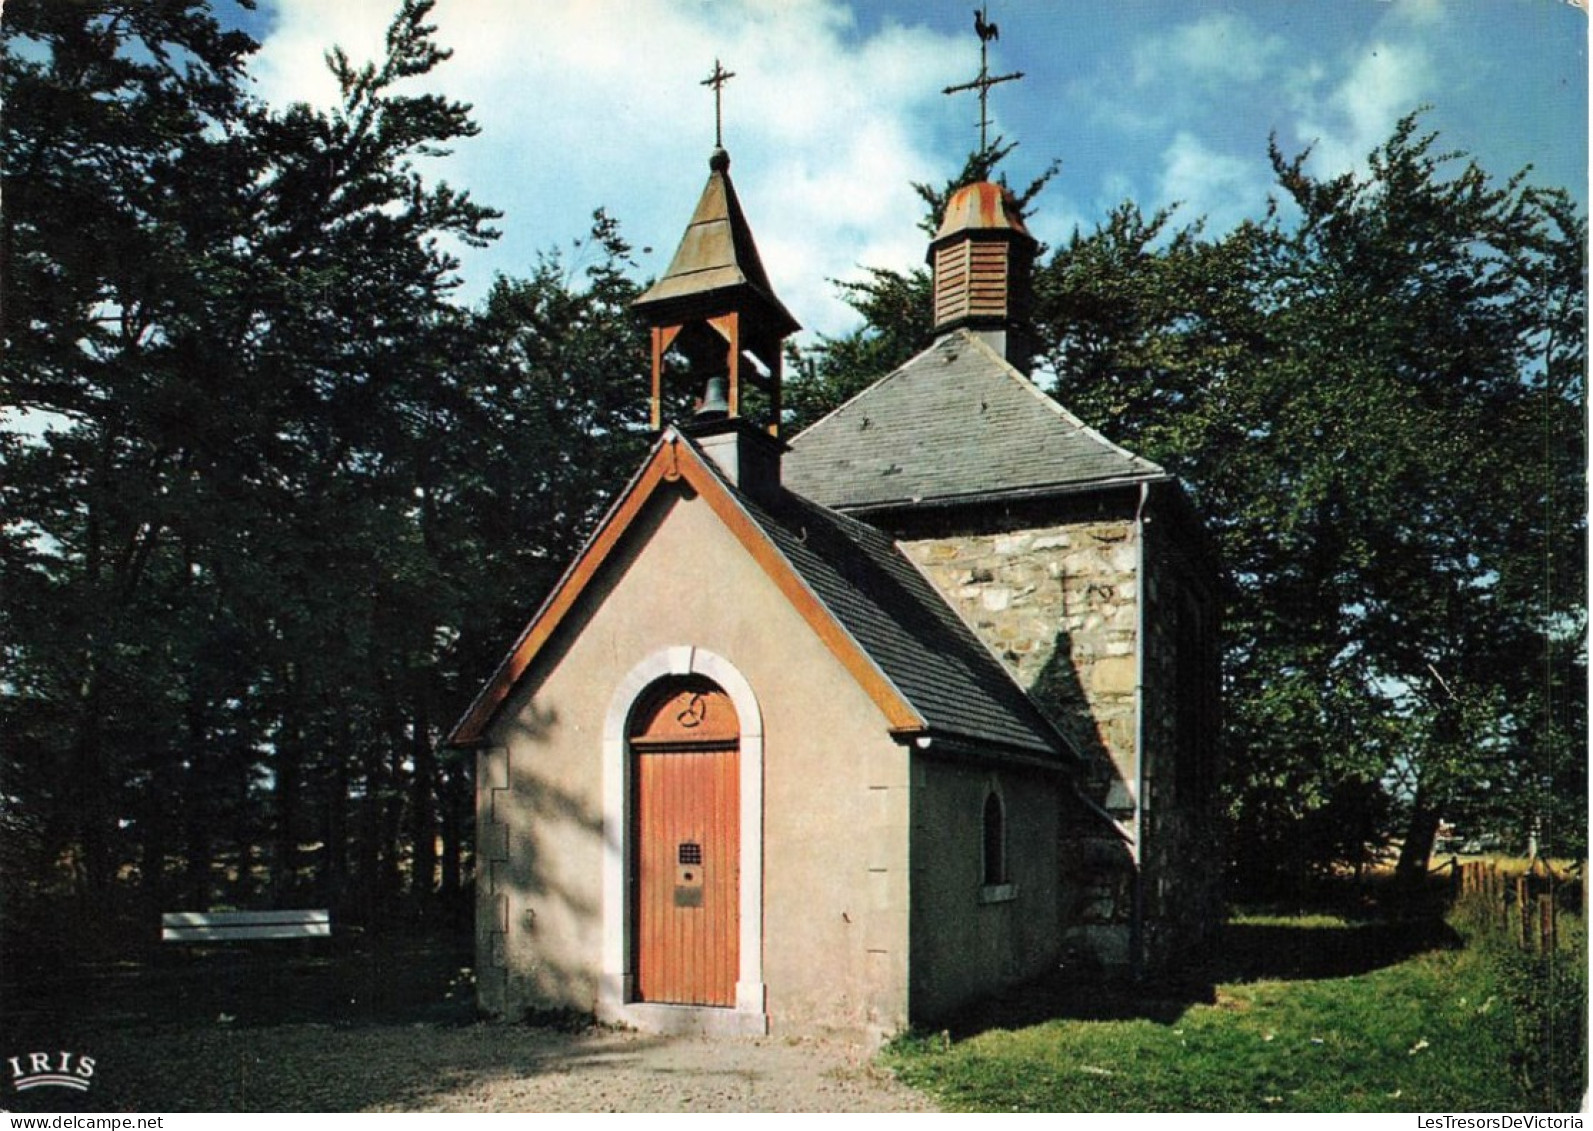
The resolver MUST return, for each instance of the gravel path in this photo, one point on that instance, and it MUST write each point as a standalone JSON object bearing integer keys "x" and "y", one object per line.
{"x": 382, "y": 1024}
{"x": 481, "y": 1068}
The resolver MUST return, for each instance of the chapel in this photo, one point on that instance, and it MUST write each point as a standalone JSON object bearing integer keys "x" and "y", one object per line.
{"x": 841, "y": 732}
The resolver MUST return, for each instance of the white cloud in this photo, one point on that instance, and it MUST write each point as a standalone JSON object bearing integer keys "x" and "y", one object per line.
{"x": 1385, "y": 81}
{"x": 1172, "y": 75}
{"x": 1217, "y": 49}
{"x": 1203, "y": 182}
{"x": 599, "y": 103}
{"x": 1424, "y": 15}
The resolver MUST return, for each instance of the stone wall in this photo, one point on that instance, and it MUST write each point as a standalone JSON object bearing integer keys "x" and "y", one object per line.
{"x": 1057, "y": 604}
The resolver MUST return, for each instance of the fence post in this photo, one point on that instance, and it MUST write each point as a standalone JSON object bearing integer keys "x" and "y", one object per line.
{"x": 1524, "y": 913}
{"x": 1548, "y": 925}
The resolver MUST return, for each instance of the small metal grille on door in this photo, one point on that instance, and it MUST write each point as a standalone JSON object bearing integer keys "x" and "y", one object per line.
{"x": 688, "y": 875}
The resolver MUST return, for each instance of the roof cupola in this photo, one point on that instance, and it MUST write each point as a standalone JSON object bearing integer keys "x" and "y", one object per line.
{"x": 983, "y": 255}
{"x": 983, "y": 259}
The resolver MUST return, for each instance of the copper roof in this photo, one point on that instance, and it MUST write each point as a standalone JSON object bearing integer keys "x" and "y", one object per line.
{"x": 982, "y": 206}
{"x": 717, "y": 258}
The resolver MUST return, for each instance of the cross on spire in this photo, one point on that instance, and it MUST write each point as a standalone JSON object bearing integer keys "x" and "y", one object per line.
{"x": 986, "y": 31}
{"x": 717, "y": 80}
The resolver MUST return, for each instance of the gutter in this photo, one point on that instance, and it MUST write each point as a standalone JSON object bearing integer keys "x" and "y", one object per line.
{"x": 975, "y": 750}
{"x": 1010, "y": 495}
{"x": 1136, "y": 931}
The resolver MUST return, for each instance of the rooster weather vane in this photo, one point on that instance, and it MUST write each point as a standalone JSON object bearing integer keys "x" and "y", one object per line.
{"x": 986, "y": 31}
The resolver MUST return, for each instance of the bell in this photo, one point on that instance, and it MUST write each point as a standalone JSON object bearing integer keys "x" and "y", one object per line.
{"x": 715, "y": 403}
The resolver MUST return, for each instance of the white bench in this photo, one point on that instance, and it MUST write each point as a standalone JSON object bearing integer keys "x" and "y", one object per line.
{"x": 243, "y": 926}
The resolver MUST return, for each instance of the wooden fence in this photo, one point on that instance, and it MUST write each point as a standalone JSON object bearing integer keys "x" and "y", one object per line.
{"x": 1527, "y": 904}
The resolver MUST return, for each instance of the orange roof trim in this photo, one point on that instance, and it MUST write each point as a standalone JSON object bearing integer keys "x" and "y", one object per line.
{"x": 674, "y": 459}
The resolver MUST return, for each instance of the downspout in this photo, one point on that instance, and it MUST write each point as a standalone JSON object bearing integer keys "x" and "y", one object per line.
{"x": 1136, "y": 930}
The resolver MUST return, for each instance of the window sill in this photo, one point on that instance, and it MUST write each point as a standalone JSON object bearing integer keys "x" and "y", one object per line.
{"x": 998, "y": 893}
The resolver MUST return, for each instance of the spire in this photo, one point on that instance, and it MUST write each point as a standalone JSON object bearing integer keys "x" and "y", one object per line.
{"x": 717, "y": 265}
{"x": 716, "y": 306}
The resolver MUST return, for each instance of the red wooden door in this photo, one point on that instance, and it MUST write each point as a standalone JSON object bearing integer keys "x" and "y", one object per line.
{"x": 687, "y": 845}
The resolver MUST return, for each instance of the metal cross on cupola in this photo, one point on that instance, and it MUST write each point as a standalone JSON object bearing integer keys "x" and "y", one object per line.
{"x": 986, "y": 31}
{"x": 717, "y": 80}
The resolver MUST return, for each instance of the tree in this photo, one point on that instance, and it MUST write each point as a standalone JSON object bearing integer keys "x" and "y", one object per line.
{"x": 277, "y": 501}
{"x": 121, "y": 157}
{"x": 357, "y": 339}
{"x": 233, "y": 326}
{"x": 1375, "y": 393}
{"x": 1433, "y": 454}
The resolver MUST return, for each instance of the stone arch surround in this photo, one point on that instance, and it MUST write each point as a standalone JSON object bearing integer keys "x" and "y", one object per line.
{"x": 617, "y": 987}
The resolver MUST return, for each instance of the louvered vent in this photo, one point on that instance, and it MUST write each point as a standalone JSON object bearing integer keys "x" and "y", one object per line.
{"x": 972, "y": 280}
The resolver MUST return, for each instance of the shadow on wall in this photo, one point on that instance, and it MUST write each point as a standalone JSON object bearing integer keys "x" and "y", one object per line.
{"x": 556, "y": 834}
{"x": 1097, "y": 862}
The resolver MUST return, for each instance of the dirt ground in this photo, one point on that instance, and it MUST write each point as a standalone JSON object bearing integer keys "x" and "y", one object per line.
{"x": 382, "y": 1026}
{"x": 483, "y": 1068}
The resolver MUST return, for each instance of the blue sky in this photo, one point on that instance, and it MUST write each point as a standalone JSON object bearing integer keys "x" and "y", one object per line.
{"x": 837, "y": 107}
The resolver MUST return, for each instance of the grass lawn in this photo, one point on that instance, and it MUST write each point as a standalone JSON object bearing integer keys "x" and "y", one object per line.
{"x": 1342, "y": 1017}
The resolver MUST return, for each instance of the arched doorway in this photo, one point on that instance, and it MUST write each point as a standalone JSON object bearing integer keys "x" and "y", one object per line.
{"x": 684, "y": 737}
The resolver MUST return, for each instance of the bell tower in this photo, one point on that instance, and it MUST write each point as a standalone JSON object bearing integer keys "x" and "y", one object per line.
{"x": 716, "y": 308}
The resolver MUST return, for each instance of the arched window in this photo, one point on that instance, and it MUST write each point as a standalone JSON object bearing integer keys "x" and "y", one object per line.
{"x": 995, "y": 838}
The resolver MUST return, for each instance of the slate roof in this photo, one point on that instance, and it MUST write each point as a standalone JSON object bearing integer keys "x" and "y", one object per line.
{"x": 905, "y": 626}
{"x": 956, "y": 423}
